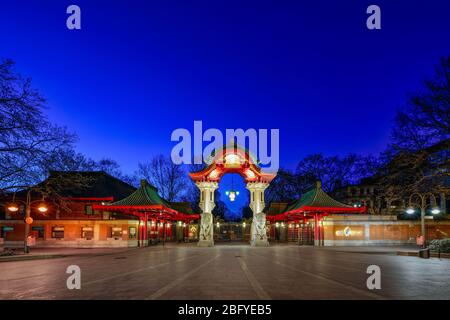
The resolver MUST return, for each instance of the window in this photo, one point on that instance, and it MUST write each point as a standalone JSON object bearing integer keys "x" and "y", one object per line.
{"x": 38, "y": 232}
{"x": 116, "y": 232}
{"x": 58, "y": 232}
{"x": 4, "y": 230}
{"x": 132, "y": 233}
{"x": 87, "y": 233}
{"x": 88, "y": 209}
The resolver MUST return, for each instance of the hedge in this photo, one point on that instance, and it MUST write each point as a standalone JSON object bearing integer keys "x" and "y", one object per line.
{"x": 442, "y": 245}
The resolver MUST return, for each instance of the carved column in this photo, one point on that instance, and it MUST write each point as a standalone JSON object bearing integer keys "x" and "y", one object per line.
{"x": 258, "y": 236}
{"x": 206, "y": 219}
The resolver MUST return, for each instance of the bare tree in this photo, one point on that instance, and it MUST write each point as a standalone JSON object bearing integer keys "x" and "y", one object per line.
{"x": 167, "y": 177}
{"x": 27, "y": 138}
{"x": 283, "y": 188}
{"x": 67, "y": 160}
{"x": 192, "y": 194}
{"x": 426, "y": 170}
{"x": 335, "y": 172}
{"x": 425, "y": 120}
{"x": 417, "y": 159}
{"x": 112, "y": 168}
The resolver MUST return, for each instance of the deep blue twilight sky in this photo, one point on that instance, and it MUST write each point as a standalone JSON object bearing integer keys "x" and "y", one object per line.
{"x": 140, "y": 69}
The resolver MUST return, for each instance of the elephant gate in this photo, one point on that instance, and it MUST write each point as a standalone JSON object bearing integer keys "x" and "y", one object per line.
{"x": 232, "y": 159}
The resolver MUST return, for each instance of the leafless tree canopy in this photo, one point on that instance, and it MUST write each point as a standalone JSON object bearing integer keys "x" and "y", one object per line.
{"x": 167, "y": 177}
{"x": 334, "y": 172}
{"x": 28, "y": 141}
{"x": 425, "y": 120}
{"x": 417, "y": 159}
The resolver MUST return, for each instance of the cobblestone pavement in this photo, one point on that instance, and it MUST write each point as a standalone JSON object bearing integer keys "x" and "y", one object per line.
{"x": 227, "y": 272}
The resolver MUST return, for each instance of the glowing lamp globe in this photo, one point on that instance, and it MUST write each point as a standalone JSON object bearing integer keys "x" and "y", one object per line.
{"x": 13, "y": 207}
{"x": 410, "y": 210}
{"x": 435, "y": 211}
{"x": 42, "y": 208}
{"x": 231, "y": 195}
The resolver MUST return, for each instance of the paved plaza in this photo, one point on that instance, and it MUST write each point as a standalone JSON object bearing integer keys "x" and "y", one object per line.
{"x": 227, "y": 272}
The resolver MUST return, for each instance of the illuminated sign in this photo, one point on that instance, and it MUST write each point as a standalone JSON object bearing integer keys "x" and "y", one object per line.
{"x": 348, "y": 232}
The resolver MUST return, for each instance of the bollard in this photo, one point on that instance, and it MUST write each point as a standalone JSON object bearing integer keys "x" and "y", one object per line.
{"x": 425, "y": 253}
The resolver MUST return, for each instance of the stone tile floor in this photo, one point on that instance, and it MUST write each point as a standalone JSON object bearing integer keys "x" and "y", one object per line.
{"x": 228, "y": 272}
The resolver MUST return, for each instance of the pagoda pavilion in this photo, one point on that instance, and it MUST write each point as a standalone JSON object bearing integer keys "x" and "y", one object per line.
{"x": 148, "y": 206}
{"x": 312, "y": 206}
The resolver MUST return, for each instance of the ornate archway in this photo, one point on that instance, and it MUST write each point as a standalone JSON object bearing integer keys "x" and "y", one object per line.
{"x": 232, "y": 159}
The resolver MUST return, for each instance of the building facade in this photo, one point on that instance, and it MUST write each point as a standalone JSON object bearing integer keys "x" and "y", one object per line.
{"x": 72, "y": 220}
{"x": 318, "y": 219}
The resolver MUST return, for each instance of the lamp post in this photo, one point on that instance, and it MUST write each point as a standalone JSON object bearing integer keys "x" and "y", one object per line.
{"x": 14, "y": 207}
{"x": 423, "y": 207}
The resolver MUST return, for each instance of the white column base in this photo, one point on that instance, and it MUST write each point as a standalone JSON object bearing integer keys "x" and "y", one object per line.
{"x": 259, "y": 243}
{"x": 317, "y": 242}
{"x": 205, "y": 243}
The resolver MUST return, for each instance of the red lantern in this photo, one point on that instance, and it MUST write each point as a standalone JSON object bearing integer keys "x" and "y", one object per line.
{"x": 29, "y": 220}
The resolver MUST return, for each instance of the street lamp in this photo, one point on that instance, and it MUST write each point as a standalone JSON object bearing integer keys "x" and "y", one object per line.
{"x": 423, "y": 206}
{"x": 42, "y": 207}
{"x": 14, "y": 207}
{"x": 435, "y": 210}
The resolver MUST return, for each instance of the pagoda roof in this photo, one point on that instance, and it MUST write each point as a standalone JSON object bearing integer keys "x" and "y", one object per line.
{"x": 145, "y": 195}
{"x": 146, "y": 200}
{"x": 315, "y": 201}
{"x": 317, "y": 198}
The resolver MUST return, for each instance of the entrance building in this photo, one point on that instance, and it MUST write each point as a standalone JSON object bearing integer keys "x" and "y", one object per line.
{"x": 106, "y": 212}
{"x": 303, "y": 218}
{"x": 157, "y": 218}
{"x": 232, "y": 159}
{"x": 111, "y": 213}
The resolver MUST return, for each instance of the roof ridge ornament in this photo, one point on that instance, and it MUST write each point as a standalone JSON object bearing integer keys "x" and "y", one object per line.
{"x": 144, "y": 183}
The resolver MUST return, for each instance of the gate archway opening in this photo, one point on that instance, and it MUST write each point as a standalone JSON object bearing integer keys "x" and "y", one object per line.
{"x": 234, "y": 196}
{"x": 232, "y": 220}
{"x": 232, "y": 159}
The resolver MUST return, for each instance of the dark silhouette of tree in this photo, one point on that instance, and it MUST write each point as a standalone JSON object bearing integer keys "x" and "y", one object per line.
{"x": 421, "y": 171}
{"x": 425, "y": 120}
{"x": 283, "y": 188}
{"x": 334, "y": 172}
{"x": 192, "y": 194}
{"x": 112, "y": 168}
{"x": 417, "y": 159}
{"x": 167, "y": 177}
{"x": 28, "y": 141}
{"x": 220, "y": 210}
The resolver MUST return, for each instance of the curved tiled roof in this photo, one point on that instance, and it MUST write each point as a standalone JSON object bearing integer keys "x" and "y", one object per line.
{"x": 146, "y": 195}
{"x": 316, "y": 198}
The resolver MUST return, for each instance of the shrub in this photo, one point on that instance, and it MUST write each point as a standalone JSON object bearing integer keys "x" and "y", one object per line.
{"x": 442, "y": 245}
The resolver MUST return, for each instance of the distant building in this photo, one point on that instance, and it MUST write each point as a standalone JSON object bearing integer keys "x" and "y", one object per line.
{"x": 72, "y": 218}
{"x": 372, "y": 191}
{"x": 317, "y": 219}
